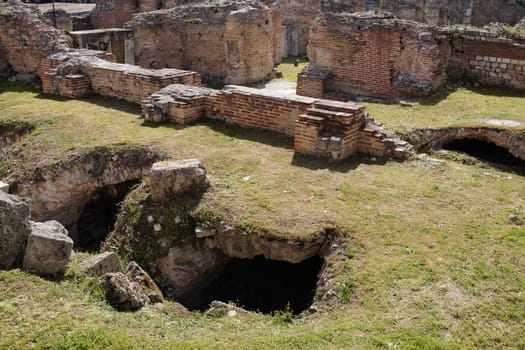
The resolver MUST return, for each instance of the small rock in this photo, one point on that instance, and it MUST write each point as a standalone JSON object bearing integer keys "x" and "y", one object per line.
{"x": 48, "y": 248}
{"x": 515, "y": 219}
{"x": 220, "y": 309}
{"x": 157, "y": 227}
{"x": 406, "y": 104}
{"x": 121, "y": 293}
{"x": 201, "y": 232}
{"x": 4, "y": 187}
{"x": 136, "y": 274}
{"x": 101, "y": 264}
{"x": 150, "y": 219}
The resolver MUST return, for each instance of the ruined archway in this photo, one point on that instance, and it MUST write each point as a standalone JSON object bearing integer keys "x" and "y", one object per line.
{"x": 84, "y": 190}
{"x": 97, "y": 218}
{"x": 500, "y": 147}
{"x": 486, "y": 151}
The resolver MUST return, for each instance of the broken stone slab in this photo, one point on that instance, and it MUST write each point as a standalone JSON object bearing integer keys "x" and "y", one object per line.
{"x": 136, "y": 274}
{"x": 101, "y": 264}
{"x": 4, "y": 187}
{"x": 175, "y": 178}
{"x": 122, "y": 293}
{"x": 48, "y": 248}
{"x": 14, "y": 229}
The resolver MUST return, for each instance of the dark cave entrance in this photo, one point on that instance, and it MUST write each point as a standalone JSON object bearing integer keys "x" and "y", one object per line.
{"x": 99, "y": 214}
{"x": 265, "y": 285}
{"x": 489, "y": 152}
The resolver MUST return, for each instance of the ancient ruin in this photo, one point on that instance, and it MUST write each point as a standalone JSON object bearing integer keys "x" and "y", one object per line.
{"x": 200, "y": 65}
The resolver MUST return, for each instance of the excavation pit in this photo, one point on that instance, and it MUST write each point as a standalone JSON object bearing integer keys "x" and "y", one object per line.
{"x": 265, "y": 285}
{"x": 97, "y": 219}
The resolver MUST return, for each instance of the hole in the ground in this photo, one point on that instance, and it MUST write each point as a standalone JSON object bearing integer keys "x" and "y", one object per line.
{"x": 99, "y": 214}
{"x": 486, "y": 151}
{"x": 265, "y": 285}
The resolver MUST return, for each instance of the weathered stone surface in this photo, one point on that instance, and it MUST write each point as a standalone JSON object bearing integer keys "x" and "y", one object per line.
{"x": 235, "y": 41}
{"x": 136, "y": 274}
{"x": 101, "y": 264}
{"x": 4, "y": 187}
{"x": 172, "y": 179}
{"x": 220, "y": 309}
{"x": 122, "y": 293}
{"x": 48, "y": 248}
{"x": 14, "y": 228}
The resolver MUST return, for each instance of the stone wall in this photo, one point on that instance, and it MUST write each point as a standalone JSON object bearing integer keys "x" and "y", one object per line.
{"x": 487, "y": 58}
{"x": 322, "y": 128}
{"x": 26, "y": 37}
{"x": 299, "y": 15}
{"x": 113, "y": 13}
{"x": 239, "y": 43}
{"x": 63, "y": 19}
{"x": 375, "y": 55}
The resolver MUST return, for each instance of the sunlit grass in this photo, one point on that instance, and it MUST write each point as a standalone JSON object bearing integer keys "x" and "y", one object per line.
{"x": 433, "y": 264}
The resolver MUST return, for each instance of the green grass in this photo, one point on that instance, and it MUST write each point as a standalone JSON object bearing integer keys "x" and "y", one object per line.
{"x": 427, "y": 258}
{"x": 458, "y": 105}
{"x": 289, "y": 70}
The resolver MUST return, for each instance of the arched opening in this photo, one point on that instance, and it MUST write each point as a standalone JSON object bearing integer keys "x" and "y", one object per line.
{"x": 488, "y": 152}
{"x": 265, "y": 285}
{"x": 97, "y": 219}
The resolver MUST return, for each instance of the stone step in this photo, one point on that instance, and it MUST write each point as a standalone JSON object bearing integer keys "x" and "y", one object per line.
{"x": 328, "y": 113}
{"x": 338, "y": 106}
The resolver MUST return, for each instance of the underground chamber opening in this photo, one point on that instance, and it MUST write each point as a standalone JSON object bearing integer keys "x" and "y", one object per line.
{"x": 486, "y": 151}
{"x": 265, "y": 285}
{"x": 98, "y": 217}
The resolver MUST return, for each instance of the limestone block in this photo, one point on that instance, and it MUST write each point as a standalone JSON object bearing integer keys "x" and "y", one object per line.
{"x": 122, "y": 293}
{"x": 14, "y": 228}
{"x": 136, "y": 274}
{"x": 101, "y": 264}
{"x": 48, "y": 248}
{"x": 172, "y": 179}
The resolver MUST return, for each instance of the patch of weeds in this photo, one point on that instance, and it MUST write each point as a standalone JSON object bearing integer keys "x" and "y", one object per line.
{"x": 345, "y": 290}
{"x": 283, "y": 317}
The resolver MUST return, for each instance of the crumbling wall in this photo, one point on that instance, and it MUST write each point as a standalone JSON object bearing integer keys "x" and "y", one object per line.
{"x": 113, "y": 13}
{"x": 488, "y": 58}
{"x": 26, "y": 38}
{"x": 228, "y": 40}
{"x": 62, "y": 19}
{"x": 322, "y": 128}
{"x": 376, "y": 55}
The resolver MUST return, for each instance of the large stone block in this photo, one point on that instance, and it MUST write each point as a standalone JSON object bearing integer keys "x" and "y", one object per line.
{"x": 101, "y": 264}
{"x": 14, "y": 228}
{"x": 137, "y": 274}
{"x": 172, "y": 179}
{"x": 48, "y": 248}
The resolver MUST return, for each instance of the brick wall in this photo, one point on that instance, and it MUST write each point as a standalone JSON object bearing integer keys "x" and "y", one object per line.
{"x": 321, "y": 128}
{"x": 251, "y": 108}
{"x": 236, "y": 43}
{"x": 26, "y": 37}
{"x": 488, "y": 59}
{"x": 113, "y": 13}
{"x": 375, "y": 55}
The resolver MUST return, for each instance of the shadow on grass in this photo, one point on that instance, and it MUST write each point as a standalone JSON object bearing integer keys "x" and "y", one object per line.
{"x": 267, "y": 137}
{"x": 343, "y": 166}
{"x": 102, "y": 101}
